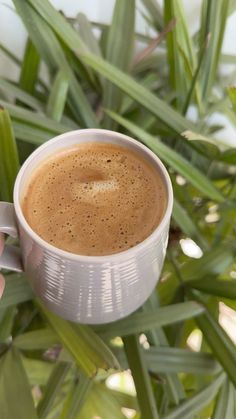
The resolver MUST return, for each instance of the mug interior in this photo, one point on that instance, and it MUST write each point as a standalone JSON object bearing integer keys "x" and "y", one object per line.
{"x": 67, "y": 140}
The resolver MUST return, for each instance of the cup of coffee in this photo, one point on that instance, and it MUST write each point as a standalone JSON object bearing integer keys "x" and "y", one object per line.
{"x": 91, "y": 209}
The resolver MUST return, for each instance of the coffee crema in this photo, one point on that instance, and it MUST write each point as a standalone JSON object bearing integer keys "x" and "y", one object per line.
{"x": 94, "y": 199}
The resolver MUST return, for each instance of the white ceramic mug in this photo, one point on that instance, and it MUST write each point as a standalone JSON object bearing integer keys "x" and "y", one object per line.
{"x": 86, "y": 289}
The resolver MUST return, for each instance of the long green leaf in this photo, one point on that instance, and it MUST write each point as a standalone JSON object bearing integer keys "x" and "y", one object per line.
{"x": 141, "y": 322}
{"x": 226, "y": 58}
{"x": 50, "y": 48}
{"x": 11, "y": 89}
{"x": 9, "y": 161}
{"x": 58, "y": 95}
{"x": 76, "y": 398}
{"x": 141, "y": 378}
{"x": 58, "y": 22}
{"x": 232, "y": 95}
{"x": 189, "y": 59}
{"x": 32, "y": 118}
{"x": 10, "y": 55}
{"x": 153, "y": 62}
{"x": 101, "y": 403}
{"x": 101, "y": 25}
{"x": 150, "y": 82}
{"x": 125, "y": 399}
{"x": 126, "y": 83}
{"x": 17, "y": 290}
{"x": 36, "y": 340}
{"x": 52, "y": 388}
{"x": 87, "y": 35}
{"x": 147, "y": 52}
{"x": 187, "y": 225}
{"x": 220, "y": 343}
{"x": 119, "y": 51}
{"x": 37, "y": 371}
{"x": 214, "y": 262}
{"x": 176, "y": 70}
{"x": 168, "y": 362}
{"x": 157, "y": 337}
{"x": 189, "y": 408}
{"x": 143, "y": 96}
{"x": 37, "y": 135}
{"x": 25, "y": 12}
{"x": 88, "y": 350}
{"x": 29, "y": 68}
{"x": 6, "y": 323}
{"x": 18, "y": 62}
{"x": 15, "y": 395}
{"x": 220, "y": 288}
{"x": 155, "y": 12}
{"x": 173, "y": 384}
{"x": 194, "y": 81}
{"x": 224, "y": 408}
{"x": 164, "y": 360}
{"x": 30, "y": 133}
{"x": 214, "y": 24}
{"x": 175, "y": 160}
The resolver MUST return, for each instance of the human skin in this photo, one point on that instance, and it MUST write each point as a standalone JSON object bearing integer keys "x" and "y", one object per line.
{"x": 2, "y": 281}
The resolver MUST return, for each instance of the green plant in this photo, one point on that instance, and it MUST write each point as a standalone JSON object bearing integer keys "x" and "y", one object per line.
{"x": 50, "y": 368}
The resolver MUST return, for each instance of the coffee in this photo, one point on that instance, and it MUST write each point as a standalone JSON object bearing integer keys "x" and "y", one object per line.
{"x": 94, "y": 199}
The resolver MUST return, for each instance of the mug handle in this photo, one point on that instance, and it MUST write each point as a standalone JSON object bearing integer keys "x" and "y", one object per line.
{"x": 10, "y": 258}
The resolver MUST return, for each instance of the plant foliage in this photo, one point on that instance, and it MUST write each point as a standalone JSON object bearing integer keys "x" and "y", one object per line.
{"x": 51, "y": 368}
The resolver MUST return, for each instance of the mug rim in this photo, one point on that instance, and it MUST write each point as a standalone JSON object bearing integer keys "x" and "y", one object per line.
{"x": 103, "y": 258}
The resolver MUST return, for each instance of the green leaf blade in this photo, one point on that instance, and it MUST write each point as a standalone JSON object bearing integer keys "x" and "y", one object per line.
{"x": 15, "y": 400}
{"x": 50, "y": 48}
{"x": 87, "y": 35}
{"x": 17, "y": 290}
{"x": 36, "y": 340}
{"x": 141, "y": 378}
{"x": 164, "y": 359}
{"x": 52, "y": 388}
{"x": 77, "y": 398}
{"x": 181, "y": 165}
{"x": 220, "y": 343}
{"x": 57, "y": 97}
{"x": 184, "y": 221}
{"x": 9, "y": 160}
{"x": 141, "y": 322}
{"x": 20, "y": 114}
{"x": 215, "y": 17}
{"x": 169, "y": 116}
{"x": 224, "y": 408}
{"x": 232, "y": 95}
{"x": 29, "y": 68}
{"x": 217, "y": 287}
{"x": 120, "y": 42}
{"x": 189, "y": 408}
{"x": 88, "y": 350}
{"x": 29, "y": 100}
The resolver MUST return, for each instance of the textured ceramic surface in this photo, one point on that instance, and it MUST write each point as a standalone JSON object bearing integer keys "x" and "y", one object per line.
{"x": 90, "y": 289}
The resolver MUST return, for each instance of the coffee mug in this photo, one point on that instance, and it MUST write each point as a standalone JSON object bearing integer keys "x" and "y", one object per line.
{"x": 85, "y": 289}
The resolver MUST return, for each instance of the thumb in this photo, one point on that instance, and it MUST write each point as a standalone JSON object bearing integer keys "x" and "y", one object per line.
{"x": 2, "y": 285}
{"x": 1, "y": 242}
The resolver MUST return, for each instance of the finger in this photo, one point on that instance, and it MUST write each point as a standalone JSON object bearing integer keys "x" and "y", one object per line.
{"x": 2, "y": 285}
{"x": 1, "y": 242}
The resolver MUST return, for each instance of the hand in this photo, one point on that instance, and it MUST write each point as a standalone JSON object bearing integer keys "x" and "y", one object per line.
{"x": 2, "y": 280}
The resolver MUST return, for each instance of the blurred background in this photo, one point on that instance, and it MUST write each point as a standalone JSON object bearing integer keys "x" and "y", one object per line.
{"x": 202, "y": 242}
